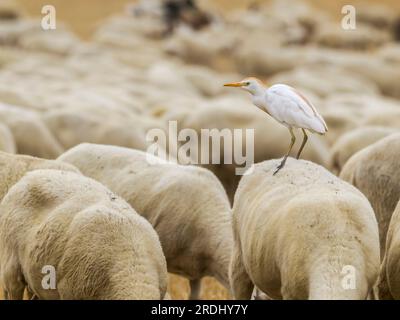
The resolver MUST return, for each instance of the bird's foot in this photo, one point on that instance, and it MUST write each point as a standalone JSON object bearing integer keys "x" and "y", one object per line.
{"x": 279, "y": 168}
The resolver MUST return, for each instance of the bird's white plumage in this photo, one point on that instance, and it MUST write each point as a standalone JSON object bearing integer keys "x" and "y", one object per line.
{"x": 291, "y": 108}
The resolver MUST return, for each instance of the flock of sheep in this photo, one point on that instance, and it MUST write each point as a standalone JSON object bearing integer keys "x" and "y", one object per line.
{"x": 78, "y": 192}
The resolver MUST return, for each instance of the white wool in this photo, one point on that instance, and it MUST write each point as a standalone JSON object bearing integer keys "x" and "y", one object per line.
{"x": 187, "y": 205}
{"x": 388, "y": 287}
{"x": 97, "y": 244}
{"x": 295, "y": 232}
{"x": 14, "y": 166}
{"x": 375, "y": 171}
{"x": 353, "y": 141}
{"x": 7, "y": 142}
{"x": 31, "y": 135}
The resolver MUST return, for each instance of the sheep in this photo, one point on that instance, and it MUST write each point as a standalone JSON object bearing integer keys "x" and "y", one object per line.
{"x": 8, "y": 55}
{"x": 13, "y": 167}
{"x": 143, "y": 27}
{"x": 61, "y": 43}
{"x": 206, "y": 81}
{"x": 7, "y": 142}
{"x": 200, "y": 47}
{"x": 97, "y": 97}
{"x": 352, "y": 142}
{"x": 375, "y": 172}
{"x": 99, "y": 247}
{"x": 267, "y": 61}
{"x": 388, "y": 282}
{"x": 335, "y": 65}
{"x": 297, "y": 234}
{"x": 31, "y": 135}
{"x": 338, "y": 123}
{"x": 384, "y": 118}
{"x": 10, "y": 94}
{"x": 166, "y": 75}
{"x": 382, "y": 74}
{"x": 336, "y": 79}
{"x": 390, "y": 53}
{"x": 72, "y": 126}
{"x": 187, "y": 206}
{"x": 366, "y": 37}
{"x": 377, "y": 16}
{"x": 360, "y": 106}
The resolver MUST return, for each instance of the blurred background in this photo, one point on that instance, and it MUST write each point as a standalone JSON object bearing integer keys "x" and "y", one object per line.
{"x": 83, "y": 16}
{"x": 112, "y": 70}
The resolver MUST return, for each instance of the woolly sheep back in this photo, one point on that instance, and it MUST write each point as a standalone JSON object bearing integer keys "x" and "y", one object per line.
{"x": 375, "y": 171}
{"x": 352, "y": 142}
{"x": 388, "y": 284}
{"x": 13, "y": 167}
{"x": 100, "y": 248}
{"x": 296, "y": 231}
{"x": 187, "y": 206}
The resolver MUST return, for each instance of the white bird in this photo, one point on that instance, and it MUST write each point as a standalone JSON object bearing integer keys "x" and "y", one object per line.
{"x": 287, "y": 106}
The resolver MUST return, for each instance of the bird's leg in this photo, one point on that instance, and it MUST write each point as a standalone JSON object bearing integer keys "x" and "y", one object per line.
{"x": 282, "y": 164}
{"x": 303, "y": 143}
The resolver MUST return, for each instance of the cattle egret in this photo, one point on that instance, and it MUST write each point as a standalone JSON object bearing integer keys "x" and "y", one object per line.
{"x": 287, "y": 106}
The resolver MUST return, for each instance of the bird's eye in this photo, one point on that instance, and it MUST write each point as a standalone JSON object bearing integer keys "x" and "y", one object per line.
{"x": 247, "y": 83}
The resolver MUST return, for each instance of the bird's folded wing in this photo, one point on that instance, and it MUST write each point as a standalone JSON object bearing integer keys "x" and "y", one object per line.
{"x": 299, "y": 104}
{"x": 297, "y": 98}
{"x": 308, "y": 108}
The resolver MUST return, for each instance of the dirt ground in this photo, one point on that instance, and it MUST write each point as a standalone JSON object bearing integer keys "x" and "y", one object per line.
{"x": 211, "y": 289}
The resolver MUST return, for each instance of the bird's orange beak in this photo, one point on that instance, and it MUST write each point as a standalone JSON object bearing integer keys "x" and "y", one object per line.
{"x": 234, "y": 84}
